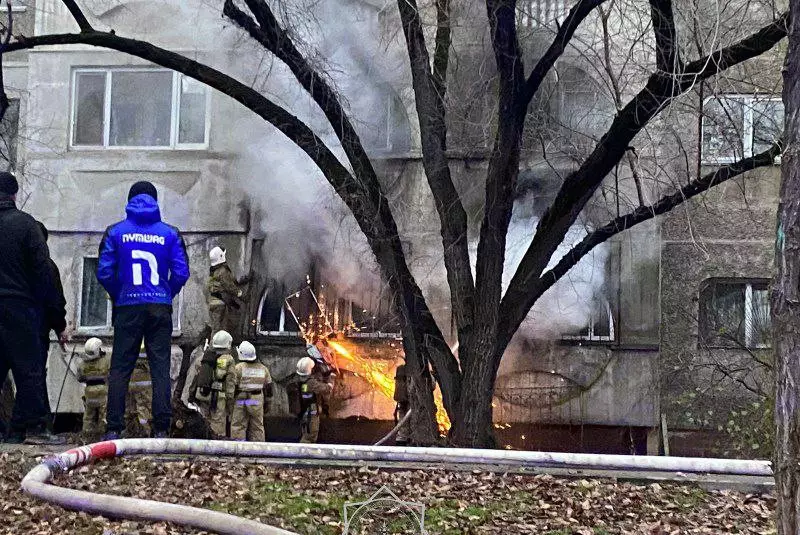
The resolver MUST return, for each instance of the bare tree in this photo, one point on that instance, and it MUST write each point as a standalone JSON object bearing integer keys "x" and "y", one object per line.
{"x": 786, "y": 301}
{"x": 485, "y": 316}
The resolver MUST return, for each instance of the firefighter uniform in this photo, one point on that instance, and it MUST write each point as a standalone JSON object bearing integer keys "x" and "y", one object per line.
{"x": 315, "y": 386}
{"x": 93, "y": 372}
{"x": 215, "y": 383}
{"x": 253, "y": 384}
{"x": 223, "y": 293}
{"x": 140, "y": 396}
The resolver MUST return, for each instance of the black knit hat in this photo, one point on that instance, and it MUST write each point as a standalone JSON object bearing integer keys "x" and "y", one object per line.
{"x": 8, "y": 184}
{"x": 143, "y": 187}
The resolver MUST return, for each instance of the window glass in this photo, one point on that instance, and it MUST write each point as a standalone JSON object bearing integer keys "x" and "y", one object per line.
{"x": 94, "y": 303}
{"x": 141, "y": 104}
{"x": 90, "y": 98}
{"x": 735, "y": 314}
{"x": 723, "y": 123}
{"x": 192, "y": 118}
{"x": 767, "y": 124}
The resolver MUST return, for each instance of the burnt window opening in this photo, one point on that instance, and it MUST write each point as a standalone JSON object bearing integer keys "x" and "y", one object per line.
{"x": 600, "y": 326}
{"x": 382, "y": 122}
{"x": 734, "y": 313}
{"x": 275, "y": 317}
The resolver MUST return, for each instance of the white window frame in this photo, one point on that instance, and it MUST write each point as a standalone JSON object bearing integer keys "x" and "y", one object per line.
{"x": 747, "y": 126}
{"x": 90, "y": 329}
{"x": 591, "y": 337}
{"x": 108, "y": 327}
{"x": 174, "y": 119}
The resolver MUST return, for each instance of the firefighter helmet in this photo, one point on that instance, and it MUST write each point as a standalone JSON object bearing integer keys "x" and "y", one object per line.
{"x": 247, "y": 353}
{"x": 217, "y": 256}
{"x": 305, "y": 366}
{"x": 221, "y": 340}
{"x": 93, "y": 349}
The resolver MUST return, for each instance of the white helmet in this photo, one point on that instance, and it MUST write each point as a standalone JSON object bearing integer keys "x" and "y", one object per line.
{"x": 247, "y": 353}
{"x": 93, "y": 349}
{"x": 305, "y": 366}
{"x": 221, "y": 340}
{"x": 217, "y": 256}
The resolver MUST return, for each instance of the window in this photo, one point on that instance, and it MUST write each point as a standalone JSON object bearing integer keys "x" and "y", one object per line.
{"x": 735, "y": 313}
{"x": 138, "y": 107}
{"x": 275, "y": 317}
{"x": 739, "y": 126}
{"x": 382, "y": 123}
{"x": 534, "y": 13}
{"x": 94, "y": 308}
{"x": 600, "y": 327}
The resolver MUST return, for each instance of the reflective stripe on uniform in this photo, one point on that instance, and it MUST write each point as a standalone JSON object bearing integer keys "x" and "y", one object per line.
{"x": 251, "y": 387}
{"x": 248, "y": 402}
{"x": 142, "y": 383}
{"x": 257, "y": 372}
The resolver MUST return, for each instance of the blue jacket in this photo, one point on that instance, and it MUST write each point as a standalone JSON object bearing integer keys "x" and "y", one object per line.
{"x": 142, "y": 260}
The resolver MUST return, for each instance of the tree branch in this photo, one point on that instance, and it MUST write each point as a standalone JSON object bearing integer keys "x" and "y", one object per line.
{"x": 668, "y": 57}
{"x": 562, "y": 38}
{"x": 645, "y": 213}
{"x": 4, "y": 102}
{"x": 441, "y": 54}
{"x": 580, "y": 185}
{"x": 78, "y": 15}
{"x": 429, "y": 90}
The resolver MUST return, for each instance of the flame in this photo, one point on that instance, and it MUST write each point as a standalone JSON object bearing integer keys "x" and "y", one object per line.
{"x": 382, "y": 382}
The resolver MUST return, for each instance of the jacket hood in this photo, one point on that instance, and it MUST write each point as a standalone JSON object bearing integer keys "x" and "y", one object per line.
{"x": 143, "y": 209}
{"x": 6, "y": 202}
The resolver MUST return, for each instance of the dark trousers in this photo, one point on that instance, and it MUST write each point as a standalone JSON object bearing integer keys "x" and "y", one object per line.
{"x": 20, "y": 352}
{"x": 131, "y": 324}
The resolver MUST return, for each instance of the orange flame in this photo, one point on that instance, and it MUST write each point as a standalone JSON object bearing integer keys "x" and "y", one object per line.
{"x": 383, "y": 382}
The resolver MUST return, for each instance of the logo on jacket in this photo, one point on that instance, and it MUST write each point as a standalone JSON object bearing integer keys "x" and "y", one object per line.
{"x": 384, "y": 512}
{"x": 136, "y": 237}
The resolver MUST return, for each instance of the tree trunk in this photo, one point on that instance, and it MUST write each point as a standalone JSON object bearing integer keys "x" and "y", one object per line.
{"x": 786, "y": 301}
{"x": 473, "y": 427}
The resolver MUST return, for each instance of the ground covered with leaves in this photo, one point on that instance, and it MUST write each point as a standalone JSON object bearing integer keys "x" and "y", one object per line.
{"x": 311, "y": 500}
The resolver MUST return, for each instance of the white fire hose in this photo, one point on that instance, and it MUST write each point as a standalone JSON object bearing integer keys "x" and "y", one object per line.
{"x": 37, "y": 481}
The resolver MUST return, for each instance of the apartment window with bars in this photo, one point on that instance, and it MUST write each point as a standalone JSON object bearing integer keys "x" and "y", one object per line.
{"x": 535, "y": 13}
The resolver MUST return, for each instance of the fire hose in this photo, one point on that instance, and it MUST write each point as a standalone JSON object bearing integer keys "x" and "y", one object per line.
{"x": 38, "y": 481}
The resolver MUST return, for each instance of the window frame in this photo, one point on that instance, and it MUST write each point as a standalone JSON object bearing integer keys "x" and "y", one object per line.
{"x": 174, "y": 143}
{"x": 747, "y": 318}
{"x": 109, "y": 327}
{"x": 747, "y": 125}
{"x": 284, "y": 334}
{"x": 591, "y": 337}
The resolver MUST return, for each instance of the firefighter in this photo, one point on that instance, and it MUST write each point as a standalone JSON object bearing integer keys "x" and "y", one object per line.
{"x": 315, "y": 386}
{"x": 224, "y": 292}
{"x": 216, "y": 386}
{"x": 93, "y": 372}
{"x": 139, "y": 414}
{"x": 253, "y": 386}
{"x": 401, "y": 398}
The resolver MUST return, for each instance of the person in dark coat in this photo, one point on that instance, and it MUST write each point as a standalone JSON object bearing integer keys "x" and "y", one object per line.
{"x": 143, "y": 265}
{"x": 26, "y": 286}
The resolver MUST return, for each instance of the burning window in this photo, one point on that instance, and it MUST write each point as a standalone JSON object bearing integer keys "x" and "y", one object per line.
{"x": 739, "y": 126}
{"x": 275, "y": 318}
{"x": 94, "y": 307}
{"x": 735, "y": 313}
{"x": 138, "y": 107}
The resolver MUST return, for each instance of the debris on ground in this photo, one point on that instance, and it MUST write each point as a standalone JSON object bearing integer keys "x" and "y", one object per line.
{"x": 311, "y": 500}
